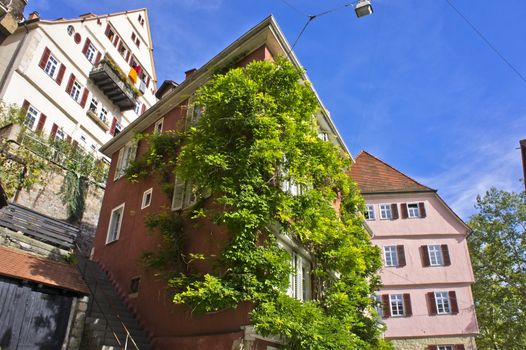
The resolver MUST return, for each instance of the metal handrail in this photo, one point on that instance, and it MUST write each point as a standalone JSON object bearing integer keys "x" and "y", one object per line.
{"x": 127, "y": 332}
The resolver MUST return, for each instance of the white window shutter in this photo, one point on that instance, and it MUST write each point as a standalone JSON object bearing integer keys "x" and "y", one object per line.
{"x": 189, "y": 114}
{"x": 299, "y": 277}
{"x": 119, "y": 164}
{"x": 133, "y": 152}
{"x": 179, "y": 192}
{"x": 189, "y": 196}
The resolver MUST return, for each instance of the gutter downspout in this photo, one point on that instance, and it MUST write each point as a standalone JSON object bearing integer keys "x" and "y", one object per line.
{"x": 13, "y": 59}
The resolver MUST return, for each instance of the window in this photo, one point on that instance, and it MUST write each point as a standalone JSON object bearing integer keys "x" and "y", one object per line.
{"x": 59, "y": 134}
{"x": 93, "y": 104}
{"x": 396, "y": 302}
{"x": 94, "y": 148}
{"x": 390, "y": 256}
{"x": 133, "y": 36}
{"x": 90, "y": 52}
{"x": 185, "y": 194}
{"x": 141, "y": 20}
{"x": 323, "y": 136}
{"x": 71, "y": 30}
{"x": 51, "y": 67}
{"x": 413, "y": 210}
{"x": 110, "y": 33}
{"x": 300, "y": 277}
{"x": 137, "y": 108}
{"x": 442, "y": 303}
{"x": 126, "y": 156}
{"x": 83, "y": 138}
{"x": 137, "y": 42}
{"x": 369, "y": 212}
{"x": 435, "y": 255}
{"x": 123, "y": 50}
{"x": 31, "y": 117}
{"x": 103, "y": 115}
{"x": 75, "y": 91}
{"x": 385, "y": 212}
{"x": 146, "y": 198}
{"x": 445, "y": 347}
{"x": 193, "y": 113}
{"x": 114, "y": 227}
{"x": 158, "y": 127}
{"x": 118, "y": 128}
{"x": 134, "y": 285}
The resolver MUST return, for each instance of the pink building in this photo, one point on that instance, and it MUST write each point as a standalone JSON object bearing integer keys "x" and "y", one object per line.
{"x": 426, "y": 295}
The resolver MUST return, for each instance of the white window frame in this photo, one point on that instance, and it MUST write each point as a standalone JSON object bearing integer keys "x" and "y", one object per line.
{"x": 158, "y": 126}
{"x": 442, "y": 303}
{"x": 385, "y": 211}
{"x": 115, "y": 235}
{"x": 126, "y": 155}
{"x": 147, "y": 198}
{"x": 390, "y": 256}
{"x": 445, "y": 347}
{"x": 90, "y": 52}
{"x": 322, "y": 135}
{"x": 103, "y": 115}
{"x": 75, "y": 91}
{"x": 60, "y": 135}
{"x": 413, "y": 210}
{"x": 70, "y": 30}
{"x": 300, "y": 286}
{"x": 137, "y": 108}
{"x": 396, "y": 304}
{"x": 31, "y": 117}
{"x": 51, "y": 67}
{"x": 184, "y": 195}
{"x": 369, "y": 211}
{"x": 93, "y": 105}
{"x": 434, "y": 252}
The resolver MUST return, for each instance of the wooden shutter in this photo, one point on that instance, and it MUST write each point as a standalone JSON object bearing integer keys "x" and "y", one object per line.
{"x": 41, "y": 122}
{"x": 179, "y": 192}
{"x": 44, "y": 58}
{"x": 403, "y": 209}
{"x": 431, "y": 347}
{"x": 394, "y": 211}
{"x": 113, "y": 126}
{"x": 445, "y": 255}
{"x": 143, "y": 108}
{"x": 407, "y": 305}
{"x": 422, "y": 208}
{"x": 116, "y": 40}
{"x": 460, "y": 347}
{"x": 453, "y": 302}
{"x": 60, "y": 75}
{"x": 68, "y": 138}
{"x": 75, "y": 143}
{"x": 431, "y": 304}
{"x": 25, "y": 105}
{"x": 86, "y": 45}
{"x": 133, "y": 151}
{"x": 128, "y": 56}
{"x": 117, "y": 173}
{"x": 385, "y": 305}
{"x": 107, "y": 31}
{"x": 424, "y": 252}
{"x": 85, "y": 94}
{"x": 401, "y": 255}
{"x": 97, "y": 59}
{"x": 53, "y": 131}
{"x": 70, "y": 83}
{"x": 147, "y": 82}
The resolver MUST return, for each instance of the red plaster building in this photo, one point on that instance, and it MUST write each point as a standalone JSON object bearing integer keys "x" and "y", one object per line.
{"x": 122, "y": 237}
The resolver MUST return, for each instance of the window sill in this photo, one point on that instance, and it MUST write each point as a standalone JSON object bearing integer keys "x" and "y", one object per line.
{"x": 111, "y": 242}
{"x": 97, "y": 120}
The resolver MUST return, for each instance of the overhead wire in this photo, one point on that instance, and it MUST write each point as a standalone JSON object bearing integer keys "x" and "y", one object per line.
{"x": 490, "y": 45}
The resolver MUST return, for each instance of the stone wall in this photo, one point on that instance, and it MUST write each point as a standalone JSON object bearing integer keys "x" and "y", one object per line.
{"x": 423, "y": 343}
{"x": 77, "y": 321}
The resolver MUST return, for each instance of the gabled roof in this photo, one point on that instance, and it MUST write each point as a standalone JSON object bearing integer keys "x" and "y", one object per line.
{"x": 375, "y": 176}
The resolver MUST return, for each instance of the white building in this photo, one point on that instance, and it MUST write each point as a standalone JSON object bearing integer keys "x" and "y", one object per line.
{"x": 64, "y": 72}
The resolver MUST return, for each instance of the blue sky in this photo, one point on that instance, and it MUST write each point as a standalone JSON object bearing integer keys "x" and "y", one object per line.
{"x": 411, "y": 84}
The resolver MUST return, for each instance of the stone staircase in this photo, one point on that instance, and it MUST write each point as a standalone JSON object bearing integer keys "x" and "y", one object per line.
{"x": 108, "y": 317}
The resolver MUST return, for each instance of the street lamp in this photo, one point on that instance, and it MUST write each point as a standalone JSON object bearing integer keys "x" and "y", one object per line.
{"x": 363, "y": 8}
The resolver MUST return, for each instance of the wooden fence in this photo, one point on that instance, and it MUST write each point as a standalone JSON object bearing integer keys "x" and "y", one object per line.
{"x": 41, "y": 227}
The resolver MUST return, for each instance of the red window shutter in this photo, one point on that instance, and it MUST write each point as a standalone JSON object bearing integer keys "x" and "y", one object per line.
{"x": 41, "y": 123}
{"x": 107, "y": 32}
{"x": 431, "y": 304}
{"x": 86, "y": 45}
{"x": 453, "y": 301}
{"x": 425, "y": 256}
{"x": 25, "y": 105}
{"x": 431, "y": 347}
{"x": 143, "y": 108}
{"x": 385, "y": 305}
{"x": 44, "y": 58}
{"x": 60, "y": 75}
{"x": 85, "y": 94}
{"x": 128, "y": 56}
{"x": 407, "y": 305}
{"x": 68, "y": 138}
{"x": 97, "y": 59}
{"x": 53, "y": 131}
{"x": 394, "y": 211}
{"x": 403, "y": 209}
{"x": 401, "y": 255}
{"x": 70, "y": 83}
{"x": 460, "y": 347}
{"x": 147, "y": 82}
{"x": 445, "y": 255}
{"x": 75, "y": 143}
{"x": 113, "y": 126}
{"x": 116, "y": 41}
{"x": 422, "y": 208}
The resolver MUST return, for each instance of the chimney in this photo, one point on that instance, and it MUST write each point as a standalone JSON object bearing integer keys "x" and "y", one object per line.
{"x": 523, "y": 153}
{"x": 190, "y": 72}
{"x": 34, "y": 16}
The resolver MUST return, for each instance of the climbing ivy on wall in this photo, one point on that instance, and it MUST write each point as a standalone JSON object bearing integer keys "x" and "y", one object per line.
{"x": 257, "y": 132}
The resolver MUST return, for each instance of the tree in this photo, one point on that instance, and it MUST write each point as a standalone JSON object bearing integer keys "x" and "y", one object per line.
{"x": 258, "y": 131}
{"x": 498, "y": 252}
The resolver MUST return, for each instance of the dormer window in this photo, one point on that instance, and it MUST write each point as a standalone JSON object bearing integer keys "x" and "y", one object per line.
{"x": 141, "y": 20}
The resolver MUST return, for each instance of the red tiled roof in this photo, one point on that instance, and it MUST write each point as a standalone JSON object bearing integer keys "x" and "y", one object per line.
{"x": 24, "y": 266}
{"x": 375, "y": 176}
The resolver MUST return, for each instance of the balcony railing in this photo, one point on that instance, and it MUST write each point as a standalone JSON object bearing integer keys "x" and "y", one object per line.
{"x": 112, "y": 81}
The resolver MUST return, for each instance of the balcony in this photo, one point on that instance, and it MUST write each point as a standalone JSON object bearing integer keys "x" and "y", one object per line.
{"x": 102, "y": 123}
{"x": 110, "y": 79}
